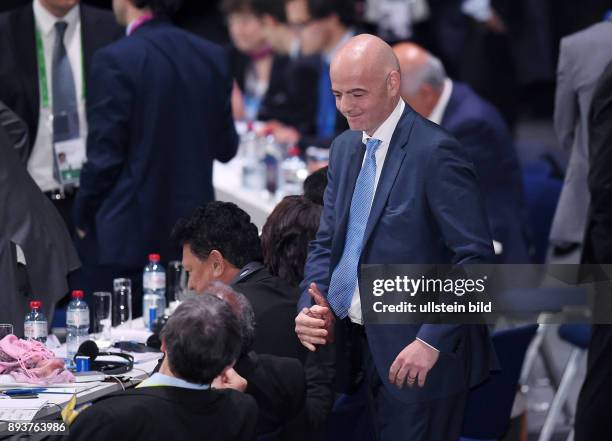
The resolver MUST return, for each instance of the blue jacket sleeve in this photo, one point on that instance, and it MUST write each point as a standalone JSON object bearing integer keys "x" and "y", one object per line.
{"x": 317, "y": 268}
{"x": 109, "y": 105}
{"x": 455, "y": 201}
{"x": 227, "y": 146}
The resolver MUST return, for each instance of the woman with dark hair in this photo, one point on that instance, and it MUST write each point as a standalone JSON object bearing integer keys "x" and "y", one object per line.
{"x": 284, "y": 239}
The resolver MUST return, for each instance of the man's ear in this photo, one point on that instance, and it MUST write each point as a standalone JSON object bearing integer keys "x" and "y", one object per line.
{"x": 163, "y": 345}
{"x": 394, "y": 83}
{"x": 217, "y": 263}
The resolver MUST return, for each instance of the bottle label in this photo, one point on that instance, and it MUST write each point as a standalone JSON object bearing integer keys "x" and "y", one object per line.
{"x": 77, "y": 318}
{"x": 35, "y": 329}
{"x": 154, "y": 281}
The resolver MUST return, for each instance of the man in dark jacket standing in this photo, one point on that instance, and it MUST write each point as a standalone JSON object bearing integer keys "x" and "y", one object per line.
{"x": 159, "y": 114}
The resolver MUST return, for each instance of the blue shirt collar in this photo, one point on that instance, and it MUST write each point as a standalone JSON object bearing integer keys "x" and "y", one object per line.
{"x": 158, "y": 379}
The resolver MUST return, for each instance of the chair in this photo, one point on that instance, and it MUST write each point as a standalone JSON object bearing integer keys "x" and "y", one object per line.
{"x": 578, "y": 336}
{"x": 542, "y": 191}
{"x": 486, "y": 422}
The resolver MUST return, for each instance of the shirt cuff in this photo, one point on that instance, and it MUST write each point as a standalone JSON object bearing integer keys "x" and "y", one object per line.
{"x": 424, "y": 342}
{"x": 480, "y": 10}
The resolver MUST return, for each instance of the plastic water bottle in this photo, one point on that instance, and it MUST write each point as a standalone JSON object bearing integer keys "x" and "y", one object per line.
{"x": 77, "y": 324}
{"x": 35, "y": 325}
{"x": 293, "y": 172}
{"x": 273, "y": 155}
{"x": 154, "y": 291}
{"x": 253, "y": 169}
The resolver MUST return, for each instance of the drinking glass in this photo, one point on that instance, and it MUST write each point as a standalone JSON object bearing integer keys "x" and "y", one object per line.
{"x": 174, "y": 286}
{"x": 103, "y": 307}
{"x": 122, "y": 301}
{"x": 5, "y": 329}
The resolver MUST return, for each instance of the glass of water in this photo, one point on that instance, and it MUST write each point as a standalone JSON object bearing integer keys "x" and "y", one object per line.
{"x": 103, "y": 307}
{"x": 5, "y": 329}
{"x": 174, "y": 282}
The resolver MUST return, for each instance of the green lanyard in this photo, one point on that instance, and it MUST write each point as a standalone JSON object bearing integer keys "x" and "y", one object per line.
{"x": 42, "y": 71}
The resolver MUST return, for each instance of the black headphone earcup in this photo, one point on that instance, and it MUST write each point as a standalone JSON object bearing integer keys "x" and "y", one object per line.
{"x": 114, "y": 367}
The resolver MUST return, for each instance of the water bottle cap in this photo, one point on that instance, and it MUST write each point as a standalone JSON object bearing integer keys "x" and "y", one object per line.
{"x": 154, "y": 257}
{"x": 77, "y": 294}
{"x": 35, "y": 304}
{"x": 294, "y": 151}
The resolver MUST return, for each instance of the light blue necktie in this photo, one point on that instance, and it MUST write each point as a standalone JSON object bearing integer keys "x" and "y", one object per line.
{"x": 65, "y": 105}
{"x": 344, "y": 278}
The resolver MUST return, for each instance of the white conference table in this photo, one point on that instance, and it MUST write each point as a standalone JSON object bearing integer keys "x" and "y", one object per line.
{"x": 228, "y": 188}
{"x": 88, "y": 392}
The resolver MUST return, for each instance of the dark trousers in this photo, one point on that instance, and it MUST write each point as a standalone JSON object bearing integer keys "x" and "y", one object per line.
{"x": 93, "y": 276}
{"x": 64, "y": 204}
{"x": 395, "y": 420}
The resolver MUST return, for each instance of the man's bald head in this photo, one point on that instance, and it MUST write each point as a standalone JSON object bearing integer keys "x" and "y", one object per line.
{"x": 367, "y": 49}
{"x": 365, "y": 81}
{"x": 423, "y": 77}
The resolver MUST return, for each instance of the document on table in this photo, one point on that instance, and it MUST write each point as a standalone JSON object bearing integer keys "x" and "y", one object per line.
{"x": 20, "y": 409}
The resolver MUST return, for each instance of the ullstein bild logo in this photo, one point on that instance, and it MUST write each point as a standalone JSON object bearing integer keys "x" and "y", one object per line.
{"x": 482, "y": 294}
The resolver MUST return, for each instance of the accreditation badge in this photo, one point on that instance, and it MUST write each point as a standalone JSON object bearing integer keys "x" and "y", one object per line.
{"x": 70, "y": 157}
{"x": 69, "y": 148}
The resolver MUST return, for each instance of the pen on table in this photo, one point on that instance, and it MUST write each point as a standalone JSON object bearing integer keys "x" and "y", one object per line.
{"x": 34, "y": 390}
{"x": 25, "y": 391}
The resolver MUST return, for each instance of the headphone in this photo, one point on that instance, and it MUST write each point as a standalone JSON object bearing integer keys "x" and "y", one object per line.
{"x": 90, "y": 349}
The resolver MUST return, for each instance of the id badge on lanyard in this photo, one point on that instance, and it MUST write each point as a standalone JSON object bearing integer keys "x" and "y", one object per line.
{"x": 69, "y": 156}
{"x": 69, "y": 151}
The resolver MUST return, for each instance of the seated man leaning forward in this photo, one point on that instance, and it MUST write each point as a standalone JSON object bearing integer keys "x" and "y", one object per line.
{"x": 201, "y": 341}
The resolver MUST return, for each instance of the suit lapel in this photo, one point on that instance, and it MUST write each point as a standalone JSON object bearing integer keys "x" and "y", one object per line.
{"x": 352, "y": 172}
{"x": 393, "y": 162}
{"x": 24, "y": 45}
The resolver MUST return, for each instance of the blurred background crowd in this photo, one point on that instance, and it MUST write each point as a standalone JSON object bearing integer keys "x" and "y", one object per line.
{"x": 524, "y": 85}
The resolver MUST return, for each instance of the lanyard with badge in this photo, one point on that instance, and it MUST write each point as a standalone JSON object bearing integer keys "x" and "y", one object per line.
{"x": 69, "y": 152}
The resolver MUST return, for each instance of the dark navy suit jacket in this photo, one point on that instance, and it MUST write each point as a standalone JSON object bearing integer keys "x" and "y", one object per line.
{"x": 159, "y": 113}
{"x": 480, "y": 129}
{"x": 426, "y": 209}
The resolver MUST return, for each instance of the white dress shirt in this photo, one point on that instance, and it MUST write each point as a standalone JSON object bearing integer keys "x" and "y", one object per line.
{"x": 40, "y": 164}
{"x": 438, "y": 111}
{"x": 384, "y": 134}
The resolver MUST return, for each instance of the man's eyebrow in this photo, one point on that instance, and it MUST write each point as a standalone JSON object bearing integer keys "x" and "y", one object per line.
{"x": 357, "y": 89}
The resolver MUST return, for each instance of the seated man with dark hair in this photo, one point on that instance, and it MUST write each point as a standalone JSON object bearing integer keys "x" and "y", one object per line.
{"x": 201, "y": 341}
{"x": 220, "y": 243}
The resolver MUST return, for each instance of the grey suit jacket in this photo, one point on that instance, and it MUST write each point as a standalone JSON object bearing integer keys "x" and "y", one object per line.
{"x": 582, "y": 59}
{"x": 29, "y": 220}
